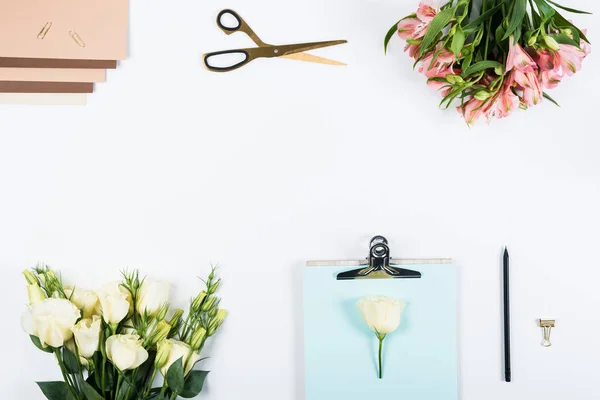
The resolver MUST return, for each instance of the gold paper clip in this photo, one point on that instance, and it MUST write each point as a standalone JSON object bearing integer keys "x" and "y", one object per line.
{"x": 77, "y": 39}
{"x": 547, "y": 324}
{"x": 44, "y": 30}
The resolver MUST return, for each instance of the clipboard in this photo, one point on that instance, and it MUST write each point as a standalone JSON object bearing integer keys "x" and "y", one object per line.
{"x": 420, "y": 357}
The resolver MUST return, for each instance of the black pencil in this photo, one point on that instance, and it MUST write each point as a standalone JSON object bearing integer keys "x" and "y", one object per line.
{"x": 507, "y": 371}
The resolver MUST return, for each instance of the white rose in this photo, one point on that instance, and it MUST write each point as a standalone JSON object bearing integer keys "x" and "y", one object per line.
{"x": 85, "y": 300}
{"x": 126, "y": 351}
{"x": 114, "y": 301}
{"x": 51, "y": 321}
{"x": 152, "y": 295}
{"x": 87, "y": 335}
{"x": 179, "y": 350}
{"x": 382, "y": 314}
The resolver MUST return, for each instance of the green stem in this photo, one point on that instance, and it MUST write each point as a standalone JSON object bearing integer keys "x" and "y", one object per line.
{"x": 174, "y": 396}
{"x": 135, "y": 372}
{"x": 380, "y": 364}
{"x": 119, "y": 380}
{"x": 64, "y": 373}
{"x": 147, "y": 391}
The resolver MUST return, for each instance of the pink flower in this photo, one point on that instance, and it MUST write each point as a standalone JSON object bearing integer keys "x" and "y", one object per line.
{"x": 529, "y": 85}
{"x": 415, "y": 28}
{"x": 518, "y": 59}
{"x": 507, "y": 102}
{"x": 570, "y": 58}
{"x": 585, "y": 46}
{"x": 551, "y": 71}
{"x": 472, "y": 110}
{"x": 411, "y": 28}
{"x": 426, "y": 11}
{"x": 438, "y": 68}
{"x": 413, "y": 50}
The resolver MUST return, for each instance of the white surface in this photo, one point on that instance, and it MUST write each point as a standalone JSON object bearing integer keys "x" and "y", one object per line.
{"x": 170, "y": 167}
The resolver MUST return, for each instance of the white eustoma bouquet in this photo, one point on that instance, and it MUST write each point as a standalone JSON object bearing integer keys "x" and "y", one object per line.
{"x": 110, "y": 344}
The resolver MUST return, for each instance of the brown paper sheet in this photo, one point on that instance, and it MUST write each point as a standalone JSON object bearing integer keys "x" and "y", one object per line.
{"x": 17, "y": 62}
{"x": 46, "y": 87}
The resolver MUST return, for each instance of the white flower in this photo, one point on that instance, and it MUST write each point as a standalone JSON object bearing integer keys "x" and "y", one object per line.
{"x": 382, "y": 314}
{"x": 86, "y": 301}
{"x": 51, "y": 321}
{"x": 115, "y": 303}
{"x": 87, "y": 335}
{"x": 152, "y": 295}
{"x": 35, "y": 293}
{"x": 126, "y": 351}
{"x": 178, "y": 350}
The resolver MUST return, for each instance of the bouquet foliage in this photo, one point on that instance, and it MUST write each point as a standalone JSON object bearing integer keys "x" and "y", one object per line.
{"x": 112, "y": 343}
{"x": 493, "y": 56}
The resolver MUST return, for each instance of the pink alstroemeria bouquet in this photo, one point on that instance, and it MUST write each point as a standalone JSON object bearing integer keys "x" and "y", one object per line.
{"x": 493, "y": 56}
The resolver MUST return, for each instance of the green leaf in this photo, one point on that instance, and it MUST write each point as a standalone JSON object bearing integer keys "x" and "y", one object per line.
{"x": 571, "y": 10}
{"x": 55, "y": 390}
{"x": 175, "y": 376}
{"x": 193, "y": 384}
{"x": 71, "y": 361}
{"x": 547, "y": 96}
{"x": 38, "y": 344}
{"x": 438, "y": 23}
{"x": 562, "y": 22}
{"x": 546, "y": 11}
{"x": 561, "y": 38}
{"x": 480, "y": 66}
{"x": 89, "y": 392}
{"x": 458, "y": 42}
{"x": 516, "y": 18}
{"x": 483, "y": 17}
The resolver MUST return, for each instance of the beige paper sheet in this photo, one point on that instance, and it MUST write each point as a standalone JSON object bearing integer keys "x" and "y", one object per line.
{"x": 52, "y": 75}
{"x": 61, "y": 99}
{"x": 100, "y": 25}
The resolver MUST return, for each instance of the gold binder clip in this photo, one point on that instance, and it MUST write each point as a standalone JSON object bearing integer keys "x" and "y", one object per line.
{"x": 547, "y": 324}
{"x": 44, "y": 30}
{"x": 77, "y": 39}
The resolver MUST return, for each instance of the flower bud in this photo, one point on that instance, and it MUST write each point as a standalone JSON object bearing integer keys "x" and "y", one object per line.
{"x": 35, "y": 293}
{"x": 197, "y": 303}
{"x": 213, "y": 288}
{"x": 568, "y": 32}
{"x": 213, "y": 313}
{"x": 451, "y": 78}
{"x": 198, "y": 338}
{"x": 208, "y": 304}
{"x": 162, "y": 312}
{"x": 162, "y": 353}
{"x": 176, "y": 318}
{"x": 30, "y": 277}
{"x": 160, "y": 333}
{"x": 217, "y": 322}
{"x": 551, "y": 43}
{"x": 532, "y": 40}
{"x": 483, "y": 95}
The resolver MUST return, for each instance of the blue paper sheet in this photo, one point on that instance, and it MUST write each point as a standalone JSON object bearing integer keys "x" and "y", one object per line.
{"x": 419, "y": 358}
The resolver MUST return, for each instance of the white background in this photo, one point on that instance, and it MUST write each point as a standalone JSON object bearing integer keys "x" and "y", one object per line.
{"x": 171, "y": 167}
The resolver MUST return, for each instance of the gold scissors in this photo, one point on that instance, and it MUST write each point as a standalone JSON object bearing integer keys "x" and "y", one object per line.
{"x": 229, "y": 60}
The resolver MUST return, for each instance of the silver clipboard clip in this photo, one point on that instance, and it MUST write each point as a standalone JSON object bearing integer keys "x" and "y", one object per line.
{"x": 378, "y": 264}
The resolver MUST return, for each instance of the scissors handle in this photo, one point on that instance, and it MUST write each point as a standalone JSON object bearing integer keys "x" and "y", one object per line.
{"x": 227, "y": 60}
{"x": 235, "y": 24}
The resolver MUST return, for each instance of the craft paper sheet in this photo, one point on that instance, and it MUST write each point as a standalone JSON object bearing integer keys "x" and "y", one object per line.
{"x": 101, "y": 26}
{"x": 419, "y": 359}
{"x": 47, "y": 99}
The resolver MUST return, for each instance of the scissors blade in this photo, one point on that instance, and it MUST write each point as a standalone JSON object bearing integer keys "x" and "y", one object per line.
{"x": 302, "y": 47}
{"x": 311, "y": 58}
